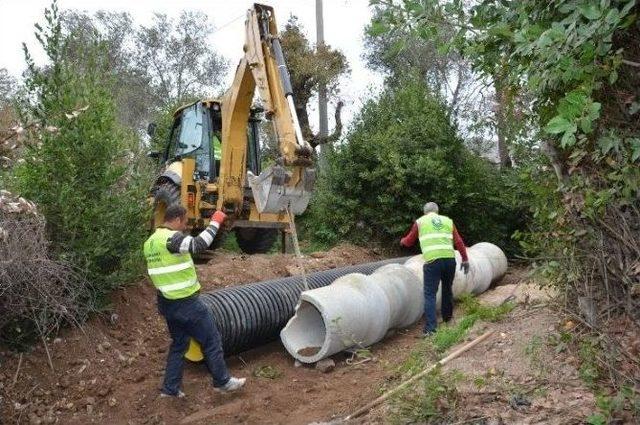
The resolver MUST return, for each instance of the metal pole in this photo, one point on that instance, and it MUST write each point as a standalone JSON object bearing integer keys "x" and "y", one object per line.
{"x": 322, "y": 90}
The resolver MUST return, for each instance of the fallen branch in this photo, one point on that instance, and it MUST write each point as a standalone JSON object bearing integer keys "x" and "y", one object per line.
{"x": 38, "y": 293}
{"x": 512, "y": 294}
{"x": 631, "y": 63}
{"x": 467, "y": 421}
{"x": 46, "y": 349}
{"x": 413, "y": 379}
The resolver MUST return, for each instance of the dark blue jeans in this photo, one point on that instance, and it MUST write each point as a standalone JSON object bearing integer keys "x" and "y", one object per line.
{"x": 440, "y": 270}
{"x": 191, "y": 318}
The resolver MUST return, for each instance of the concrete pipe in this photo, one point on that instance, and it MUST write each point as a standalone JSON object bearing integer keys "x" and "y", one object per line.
{"x": 355, "y": 310}
{"x": 250, "y": 315}
{"x": 358, "y": 310}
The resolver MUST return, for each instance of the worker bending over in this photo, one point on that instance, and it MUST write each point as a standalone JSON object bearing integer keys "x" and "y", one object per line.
{"x": 170, "y": 266}
{"x": 437, "y": 235}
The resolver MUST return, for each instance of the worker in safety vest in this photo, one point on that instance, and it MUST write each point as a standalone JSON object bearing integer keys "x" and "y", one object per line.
{"x": 170, "y": 266}
{"x": 437, "y": 235}
{"x": 217, "y": 148}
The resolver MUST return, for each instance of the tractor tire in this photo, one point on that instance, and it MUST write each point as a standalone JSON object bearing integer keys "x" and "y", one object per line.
{"x": 164, "y": 194}
{"x": 253, "y": 240}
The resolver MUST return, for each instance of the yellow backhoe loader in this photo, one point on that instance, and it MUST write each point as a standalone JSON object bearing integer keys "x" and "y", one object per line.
{"x": 212, "y": 159}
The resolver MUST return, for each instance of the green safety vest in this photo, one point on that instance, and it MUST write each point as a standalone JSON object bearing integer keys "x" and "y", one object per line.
{"x": 436, "y": 236}
{"x": 217, "y": 148}
{"x": 174, "y": 275}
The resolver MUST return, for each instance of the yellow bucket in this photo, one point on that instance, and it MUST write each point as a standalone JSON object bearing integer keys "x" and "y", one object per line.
{"x": 194, "y": 352}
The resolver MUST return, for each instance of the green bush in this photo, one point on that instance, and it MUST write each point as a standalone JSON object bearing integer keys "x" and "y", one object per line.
{"x": 401, "y": 152}
{"x": 87, "y": 174}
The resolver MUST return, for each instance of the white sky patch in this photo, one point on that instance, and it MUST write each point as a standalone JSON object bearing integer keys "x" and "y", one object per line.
{"x": 344, "y": 22}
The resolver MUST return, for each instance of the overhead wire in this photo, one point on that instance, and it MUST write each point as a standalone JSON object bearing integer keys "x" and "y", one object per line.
{"x": 223, "y": 26}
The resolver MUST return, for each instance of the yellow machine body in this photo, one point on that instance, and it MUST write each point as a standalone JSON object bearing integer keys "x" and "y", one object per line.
{"x": 251, "y": 198}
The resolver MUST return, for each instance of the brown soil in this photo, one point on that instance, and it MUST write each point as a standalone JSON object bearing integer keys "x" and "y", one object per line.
{"x": 309, "y": 351}
{"x": 519, "y": 362}
{"x": 110, "y": 371}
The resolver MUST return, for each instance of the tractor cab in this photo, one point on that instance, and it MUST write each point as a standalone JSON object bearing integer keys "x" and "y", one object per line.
{"x": 197, "y": 133}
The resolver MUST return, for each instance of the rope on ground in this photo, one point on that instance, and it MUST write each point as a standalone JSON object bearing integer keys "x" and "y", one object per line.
{"x": 414, "y": 378}
{"x": 512, "y": 294}
{"x": 296, "y": 249}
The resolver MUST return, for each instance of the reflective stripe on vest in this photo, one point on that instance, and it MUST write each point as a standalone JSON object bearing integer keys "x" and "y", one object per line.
{"x": 172, "y": 274}
{"x": 436, "y": 236}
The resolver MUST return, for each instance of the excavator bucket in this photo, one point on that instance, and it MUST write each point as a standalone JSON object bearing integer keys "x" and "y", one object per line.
{"x": 272, "y": 194}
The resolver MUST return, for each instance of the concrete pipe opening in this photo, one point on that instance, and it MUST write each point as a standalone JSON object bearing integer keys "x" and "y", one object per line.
{"x": 307, "y": 334}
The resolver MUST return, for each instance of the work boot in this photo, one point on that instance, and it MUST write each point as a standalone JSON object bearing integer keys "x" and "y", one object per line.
{"x": 179, "y": 395}
{"x": 232, "y": 384}
{"x": 428, "y": 334}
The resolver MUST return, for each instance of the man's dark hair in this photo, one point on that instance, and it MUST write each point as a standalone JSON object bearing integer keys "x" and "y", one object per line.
{"x": 174, "y": 211}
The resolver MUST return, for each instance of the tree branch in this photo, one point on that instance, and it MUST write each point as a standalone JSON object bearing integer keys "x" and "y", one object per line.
{"x": 556, "y": 162}
{"x": 316, "y": 140}
{"x": 631, "y": 63}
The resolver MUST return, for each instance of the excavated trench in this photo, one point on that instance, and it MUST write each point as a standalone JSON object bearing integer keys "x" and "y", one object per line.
{"x": 253, "y": 314}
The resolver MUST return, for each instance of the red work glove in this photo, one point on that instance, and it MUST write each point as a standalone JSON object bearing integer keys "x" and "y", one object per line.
{"x": 403, "y": 243}
{"x": 218, "y": 217}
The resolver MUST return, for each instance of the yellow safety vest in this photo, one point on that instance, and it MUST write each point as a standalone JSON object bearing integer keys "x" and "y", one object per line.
{"x": 436, "y": 236}
{"x": 217, "y": 148}
{"x": 174, "y": 275}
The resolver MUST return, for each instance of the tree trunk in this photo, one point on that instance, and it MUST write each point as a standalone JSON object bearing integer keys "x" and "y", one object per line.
{"x": 556, "y": 161}
{"x": 503, "y": 127}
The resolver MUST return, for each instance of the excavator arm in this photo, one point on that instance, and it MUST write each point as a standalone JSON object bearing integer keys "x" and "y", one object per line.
{"x": 288, "y": 184}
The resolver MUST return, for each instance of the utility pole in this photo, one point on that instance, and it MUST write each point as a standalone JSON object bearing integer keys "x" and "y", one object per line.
{"x": 322, "y": 90}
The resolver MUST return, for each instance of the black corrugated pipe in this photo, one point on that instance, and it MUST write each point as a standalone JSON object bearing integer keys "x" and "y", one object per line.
{"x": 253, "y": 314}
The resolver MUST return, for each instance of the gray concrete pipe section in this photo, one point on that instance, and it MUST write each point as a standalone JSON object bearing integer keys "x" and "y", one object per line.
{"x": 358, "y": 310}
{"x": 253, "y": 314}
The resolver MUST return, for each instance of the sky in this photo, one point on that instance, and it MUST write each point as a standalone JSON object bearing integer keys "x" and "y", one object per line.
{"x": 344, "y": 22}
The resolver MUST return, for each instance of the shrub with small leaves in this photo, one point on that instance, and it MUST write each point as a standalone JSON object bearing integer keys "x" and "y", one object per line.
{"x": 88, "y": 177}
{"x": 401, "y": 152}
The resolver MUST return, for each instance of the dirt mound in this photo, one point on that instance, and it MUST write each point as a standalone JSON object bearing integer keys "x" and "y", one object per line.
{"x": 229, "y": 269}
{"x": 110, "y": 370}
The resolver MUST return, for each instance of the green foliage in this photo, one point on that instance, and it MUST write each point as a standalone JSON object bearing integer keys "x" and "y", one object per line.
{"x": 85, "y": 172}
{"x": 589, "y": 369}
{"x": 8, "y": 86}
{"x": 563, "y": 52}
{"x": 176, "y": 58}
{"x": 437, "y": 396}
{"x": 610, "y": 408}
{"x": 401, "y": 152}
{"x": 471, "y": 306}
{"x": 230, "y": 243}
{"x": 433, "y": 400}
{"x": 311, "y": 67}
{"x": 574, "y": 62}
{"x": 564, "y": 56}
{"x": 480, "y": 381}
{"x": 447, "y": 336}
